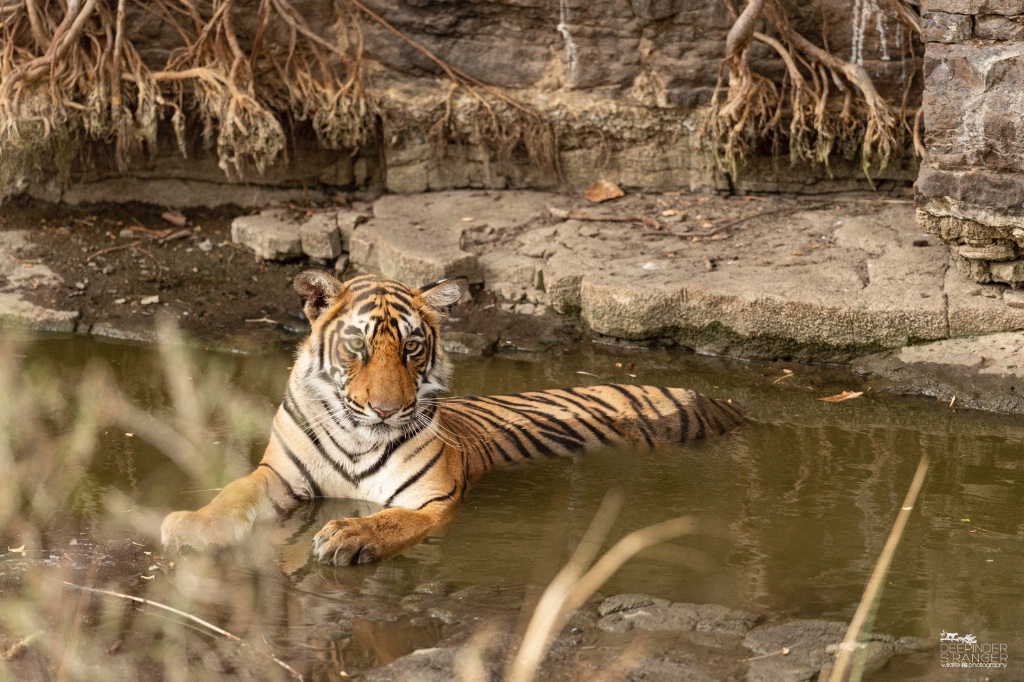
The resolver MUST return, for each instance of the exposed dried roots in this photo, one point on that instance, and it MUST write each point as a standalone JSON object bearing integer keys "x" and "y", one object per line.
{"x": 69, "y": 73}
{"x": 823, "y": 106}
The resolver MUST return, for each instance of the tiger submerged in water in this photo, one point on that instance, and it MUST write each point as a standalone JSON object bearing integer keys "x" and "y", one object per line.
{"x": 361, "y": 418}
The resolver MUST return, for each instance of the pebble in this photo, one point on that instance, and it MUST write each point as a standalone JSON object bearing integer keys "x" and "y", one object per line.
{"x": 1013, "y": 298}
{"x": 150, "y": 300}
{"x": 205, "y": 246}
{"x": 526, "y": 308}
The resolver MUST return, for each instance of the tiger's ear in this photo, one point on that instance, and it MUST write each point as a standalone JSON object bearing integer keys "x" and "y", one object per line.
{"x": 443, "y": 294}
{"x": 318, "y": 291}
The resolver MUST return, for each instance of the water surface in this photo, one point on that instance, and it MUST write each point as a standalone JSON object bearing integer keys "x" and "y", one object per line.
{"x": 795, "y": 506}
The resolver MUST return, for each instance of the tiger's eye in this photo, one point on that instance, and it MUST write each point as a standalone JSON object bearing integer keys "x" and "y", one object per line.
{"x": 412, "y": 346}
{"x": 357, "y": 344}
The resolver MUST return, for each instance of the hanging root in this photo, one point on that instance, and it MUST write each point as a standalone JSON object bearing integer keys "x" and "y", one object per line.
{"x": 69, "y": 73}
{"x": 823, "y": 106}
{"x": 484, "y": 116}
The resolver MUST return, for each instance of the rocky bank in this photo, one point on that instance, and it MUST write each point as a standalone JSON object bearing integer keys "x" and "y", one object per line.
{"x": 839, "y": 280}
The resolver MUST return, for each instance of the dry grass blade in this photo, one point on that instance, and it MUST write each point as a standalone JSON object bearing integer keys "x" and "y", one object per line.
{"x": 840, "y": 397}
{"x": 195, "y": 619}
{"x": 868, "y": 601}
{"x": 573, "y": 585}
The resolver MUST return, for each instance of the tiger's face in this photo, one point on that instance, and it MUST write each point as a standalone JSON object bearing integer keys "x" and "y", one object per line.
{"x": 374, "y": 357}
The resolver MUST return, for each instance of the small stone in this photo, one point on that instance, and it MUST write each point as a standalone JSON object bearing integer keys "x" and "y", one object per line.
{"x": 120, "y": 301}
{"x": 347, "y": 222}
{"x": 941, "y": 27}
{"x": 464, "y": 343}
{"x": 319, "y": 236}
{"x": 1013, "y": 298}
{"x": 1011, "y": 272}
{"x": 434, "y": 587}
{"x": 126, "y": 234}
{"x": 526, "y": 308}
{"x": 80, "y": 286}
{"x": 272, "y": 234}
{"x": 995, "y": 27}
{"x": 206, "y": 246}
{"x": 995, "y": 251}
{"x": 150, "y": 300}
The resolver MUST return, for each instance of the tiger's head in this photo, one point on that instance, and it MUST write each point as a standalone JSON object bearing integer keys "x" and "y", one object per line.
{"x": 374, "y": 355}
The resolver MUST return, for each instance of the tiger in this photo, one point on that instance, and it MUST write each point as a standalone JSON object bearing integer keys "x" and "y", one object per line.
{"x": 363, "y": 417}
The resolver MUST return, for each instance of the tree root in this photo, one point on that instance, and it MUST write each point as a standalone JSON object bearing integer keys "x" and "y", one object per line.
{"x": 70, "y": 73}
{"x": 803, "y": 112}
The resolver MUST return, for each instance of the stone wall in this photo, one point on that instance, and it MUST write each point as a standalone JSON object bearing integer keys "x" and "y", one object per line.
{"x": 622, "y": 81}
{"x": 625, "y": 82}
{"x": 971, "y": 188}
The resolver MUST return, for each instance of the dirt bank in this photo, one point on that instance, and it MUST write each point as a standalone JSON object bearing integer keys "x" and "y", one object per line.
{"x": 830, "y": 279}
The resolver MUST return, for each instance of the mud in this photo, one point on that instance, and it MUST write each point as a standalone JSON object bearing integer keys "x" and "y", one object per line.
{"x": 431, "y": 631}
{"x": 110, "y": 258}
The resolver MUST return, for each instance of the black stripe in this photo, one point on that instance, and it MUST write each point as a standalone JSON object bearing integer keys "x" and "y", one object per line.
{"x": 415, "y": 477}
{"x": 581, "y": 412}
{"x": 682, "y": 410}
{"x": 653, "y": 415}
{"x": 389, "y": 450}
{"x": 537, "y": 413}
{"x": 403, "y": 306}
{"x": 367, "y": 308}
{"x": 549, "y": 399}
{"x": 584, "y": 395}
{"x": 512, "y": 428}
{"x": 287, "y": 486}
{"x": 313, "y": 486}
{"x": 499, "y": 427}
{"x": 607, "y": 417}
{"x": 486, "y": 446}
{"x": 644, "y": 421}
{"x": 440, "y": 498}
{"x": 294, "y": 412}
{"x": 697, "y": 413}
{"x": 482, "y": 424}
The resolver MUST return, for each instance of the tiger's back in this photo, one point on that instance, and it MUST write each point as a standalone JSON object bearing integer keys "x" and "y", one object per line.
{"x": 504, "y": 429}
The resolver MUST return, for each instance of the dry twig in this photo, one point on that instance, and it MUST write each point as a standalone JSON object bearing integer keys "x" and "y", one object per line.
{"x": 868, "y": 600}
{"x": 195, "y": 619}
{"x": 574, "y": 584}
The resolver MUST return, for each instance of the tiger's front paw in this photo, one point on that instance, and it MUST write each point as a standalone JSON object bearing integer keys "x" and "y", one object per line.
{"x": 200, "y": 530}
{"x": 348, "y": 541}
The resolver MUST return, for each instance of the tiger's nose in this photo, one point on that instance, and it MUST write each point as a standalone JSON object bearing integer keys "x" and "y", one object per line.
{"x": 383, "y": 414}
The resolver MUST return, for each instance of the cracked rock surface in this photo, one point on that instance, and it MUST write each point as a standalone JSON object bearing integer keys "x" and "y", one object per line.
{"x": 818, "y": 280}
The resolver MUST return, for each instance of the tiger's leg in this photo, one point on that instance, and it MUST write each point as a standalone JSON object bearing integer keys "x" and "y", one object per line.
{"x": 230, "y": 516}
{"x": 380, "y": 535}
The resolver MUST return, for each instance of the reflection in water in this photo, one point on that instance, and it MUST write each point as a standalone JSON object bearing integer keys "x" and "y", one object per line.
{"x": 794, "y": 509}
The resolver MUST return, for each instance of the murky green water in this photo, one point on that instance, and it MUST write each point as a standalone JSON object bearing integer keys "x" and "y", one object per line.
{"x": 797, "y": 505}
